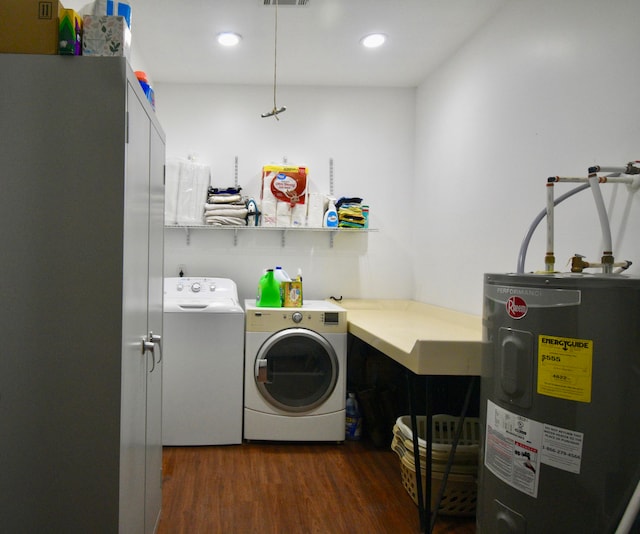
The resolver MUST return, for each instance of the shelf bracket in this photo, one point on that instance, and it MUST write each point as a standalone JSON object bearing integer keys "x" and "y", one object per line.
{"x": 235, "y": 237}
{"x": 284, "y": 238}
{"x": 235, "y": 172}
{"x": 331, "y": 177}
{"x": 331, "y": 234}
{"x": 187, "y": 232}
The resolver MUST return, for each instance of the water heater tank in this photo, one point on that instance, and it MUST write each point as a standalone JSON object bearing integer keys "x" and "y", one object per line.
{"x": 560, "y": 403}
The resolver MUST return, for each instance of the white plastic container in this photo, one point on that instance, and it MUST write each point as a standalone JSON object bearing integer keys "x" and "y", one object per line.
{"x": 281, "y": 275}
{"x": 331, "y": 216}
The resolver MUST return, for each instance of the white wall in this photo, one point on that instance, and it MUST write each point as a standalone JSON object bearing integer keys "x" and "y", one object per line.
{"x": 369, "y": 134}
{"x": 546, "y": 88}
{"x": 454, "y": 172}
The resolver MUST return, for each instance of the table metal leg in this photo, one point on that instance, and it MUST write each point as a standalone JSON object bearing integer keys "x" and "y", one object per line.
{"x": 426, "y": 516}
{"x": 416, "y": 451}
{"x": 428, "y": 513}
{"x": 452, "y": 452}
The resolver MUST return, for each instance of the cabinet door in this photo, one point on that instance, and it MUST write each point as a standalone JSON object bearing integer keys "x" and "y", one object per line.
{"x": 134, "y": 320}
{"x": 155, "y": 305}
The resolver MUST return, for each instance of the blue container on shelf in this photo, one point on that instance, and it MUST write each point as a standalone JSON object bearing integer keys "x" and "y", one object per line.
{"x": 148, "y": 90}
{"x": 121, "y": 9}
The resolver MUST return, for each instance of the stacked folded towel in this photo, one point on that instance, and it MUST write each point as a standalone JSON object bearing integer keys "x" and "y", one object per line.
{"x": 350, "y": 213}
{"x": 225, "y": 207}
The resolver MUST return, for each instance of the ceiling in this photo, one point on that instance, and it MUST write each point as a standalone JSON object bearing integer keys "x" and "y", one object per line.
{"x": 317, "y": 44}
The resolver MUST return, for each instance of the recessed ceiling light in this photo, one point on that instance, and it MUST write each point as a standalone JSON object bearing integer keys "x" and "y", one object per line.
{"x": 229, "y": 38}
{"x": 373, "y": 40}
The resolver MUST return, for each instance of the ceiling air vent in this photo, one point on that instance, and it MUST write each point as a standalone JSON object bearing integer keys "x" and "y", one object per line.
{"x": 286, "y": 2}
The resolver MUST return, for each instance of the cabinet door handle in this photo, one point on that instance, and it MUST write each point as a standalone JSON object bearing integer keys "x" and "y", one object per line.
{"x": 147, "y": 346}
{"x": 157, "y": 339}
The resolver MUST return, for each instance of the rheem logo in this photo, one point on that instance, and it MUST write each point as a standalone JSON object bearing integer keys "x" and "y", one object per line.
{"x": 516, "y": 307}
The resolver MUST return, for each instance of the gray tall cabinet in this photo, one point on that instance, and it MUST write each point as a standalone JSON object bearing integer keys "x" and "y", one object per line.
{"x": 81, "y": 203}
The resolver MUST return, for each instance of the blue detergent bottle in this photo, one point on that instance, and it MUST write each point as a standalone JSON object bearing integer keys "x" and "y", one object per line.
{"x": 353, "y": 419}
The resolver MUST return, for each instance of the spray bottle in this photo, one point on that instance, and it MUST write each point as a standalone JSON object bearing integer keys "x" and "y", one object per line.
{"x": 331, "y": 215}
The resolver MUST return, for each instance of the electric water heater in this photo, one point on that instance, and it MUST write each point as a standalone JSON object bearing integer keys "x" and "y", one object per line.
{"x": 560, "y": 403}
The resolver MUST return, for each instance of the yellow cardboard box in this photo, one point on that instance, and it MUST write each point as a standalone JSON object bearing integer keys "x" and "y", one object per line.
{"x": 70, "y": 33}
{"x": 29, "y": 26}
{"x": 292, "y": 293}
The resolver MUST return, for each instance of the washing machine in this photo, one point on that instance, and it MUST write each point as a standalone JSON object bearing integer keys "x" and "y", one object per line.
{"x": 203, "y": 357}
{"x": 295, "y": 372}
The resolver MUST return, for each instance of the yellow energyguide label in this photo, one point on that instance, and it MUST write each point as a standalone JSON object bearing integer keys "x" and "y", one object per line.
{"x": 565, "y": 367}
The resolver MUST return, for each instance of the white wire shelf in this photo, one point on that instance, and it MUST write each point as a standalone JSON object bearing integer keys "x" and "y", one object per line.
{"x": 331, "y": 231}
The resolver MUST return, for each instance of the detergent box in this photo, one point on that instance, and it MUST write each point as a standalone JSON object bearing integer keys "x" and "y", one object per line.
{"x": 292, "y": 294}
{"x": 70, "y": 33}
{"x": 29, "y": 26}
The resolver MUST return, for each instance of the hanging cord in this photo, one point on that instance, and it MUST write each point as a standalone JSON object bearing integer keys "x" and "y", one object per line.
{"x": 276, "y": 110}
{"x": 275, "y": 62}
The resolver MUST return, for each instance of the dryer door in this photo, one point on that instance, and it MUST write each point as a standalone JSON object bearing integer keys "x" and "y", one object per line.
{"x": 296, "y": 370}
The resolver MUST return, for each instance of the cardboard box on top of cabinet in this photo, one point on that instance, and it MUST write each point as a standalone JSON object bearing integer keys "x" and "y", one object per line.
{"x": 29, "y": 26}
{"x": 70, "y": 33}
{"x": 105, "y": 35}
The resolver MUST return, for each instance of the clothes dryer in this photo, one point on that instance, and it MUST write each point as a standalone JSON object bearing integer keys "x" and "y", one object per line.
{"x": 295, "y": 372}
{"x": 203, "y": 351}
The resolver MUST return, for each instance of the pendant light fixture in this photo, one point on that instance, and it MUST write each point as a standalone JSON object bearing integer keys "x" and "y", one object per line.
{"x": 276, "y": 110}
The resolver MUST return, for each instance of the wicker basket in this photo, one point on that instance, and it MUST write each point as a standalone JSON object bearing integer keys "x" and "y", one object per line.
{"x": 460, "y": 495}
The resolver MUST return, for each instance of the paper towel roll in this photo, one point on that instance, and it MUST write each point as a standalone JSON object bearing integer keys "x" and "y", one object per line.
{"x": 192, "y": 186}
{"x": 171, "y": 192}
{"x": 283, "y": 214}
{"x": 268, "y": 210}
{"x": 315, "y": 209}
{"x": 299, "y": 215}
{"x": 266, "y": 187}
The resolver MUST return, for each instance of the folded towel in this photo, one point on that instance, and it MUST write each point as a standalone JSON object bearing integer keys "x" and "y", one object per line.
{"x": 216, "y": 220}
{"x": 348, "y": 218}
{"x": 348, "y": 224}
{"x": 348, "y": 200}
{"x": 224, "y": 199}
{"x": 233, "y": 206}
{"x": 240, "y": 213}
{"x": 224, "y": 191}
{"x": 350, "y": 212}
{"x": 353, "y": 211}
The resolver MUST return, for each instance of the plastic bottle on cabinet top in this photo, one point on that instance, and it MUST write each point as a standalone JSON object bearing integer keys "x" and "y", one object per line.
{"x": 353, "y": 420}
{"x": 268, "y": 291}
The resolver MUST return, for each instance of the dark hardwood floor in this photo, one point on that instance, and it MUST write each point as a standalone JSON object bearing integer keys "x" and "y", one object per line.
{"x": 282, "y": 488}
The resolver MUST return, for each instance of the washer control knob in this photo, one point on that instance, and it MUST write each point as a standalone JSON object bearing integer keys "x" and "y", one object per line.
{"x": 180, "y": 287}
{"x": 212, "y": 287}
{"x": 195, "y": 287}
{"x": 296, "y": 317}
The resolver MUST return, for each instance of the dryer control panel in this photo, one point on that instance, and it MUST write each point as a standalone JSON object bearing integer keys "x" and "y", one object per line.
{"x": 319, "y": 316}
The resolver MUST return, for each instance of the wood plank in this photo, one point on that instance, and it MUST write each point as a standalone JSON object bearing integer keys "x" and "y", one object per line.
{"x": 275, "y": 488}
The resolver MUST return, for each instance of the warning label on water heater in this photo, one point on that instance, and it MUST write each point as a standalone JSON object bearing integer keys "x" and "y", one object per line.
{"x": 516, "y": 447}
{"x": 564, "y": 367}
{"x": 512, "y": 448}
